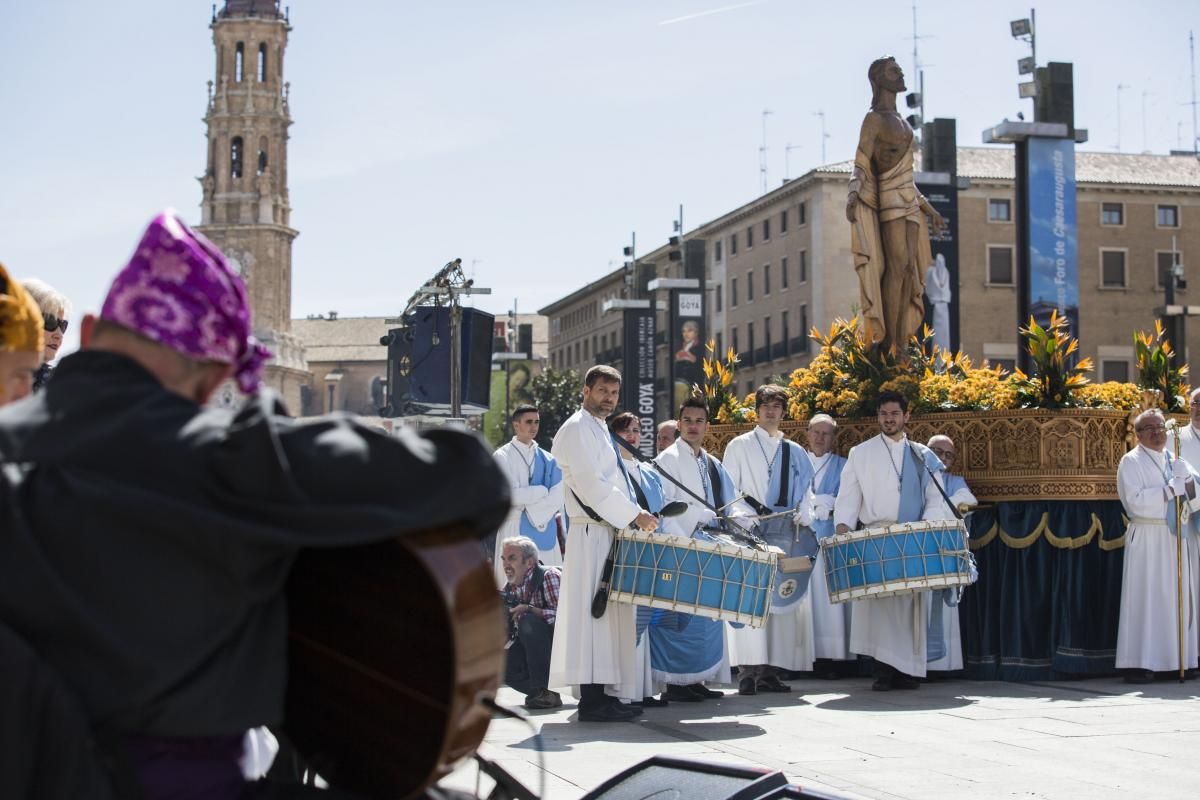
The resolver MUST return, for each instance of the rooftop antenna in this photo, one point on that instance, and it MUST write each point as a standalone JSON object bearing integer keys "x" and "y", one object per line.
{"x": 762, "y": 151}
{"x": 1145, "y": 147}
{"x": 918, "y": 67}
{"x": 1120, "y": 88}
{"x": 1192, "y": 51}
{"x": 821, "y": 113}
{"x": 787, "y": 151}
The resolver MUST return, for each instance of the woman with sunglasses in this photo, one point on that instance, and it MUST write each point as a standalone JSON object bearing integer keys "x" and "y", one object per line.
{"x": 55, "y": 309}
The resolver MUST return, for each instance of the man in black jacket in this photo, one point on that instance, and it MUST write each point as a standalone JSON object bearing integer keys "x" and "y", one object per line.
{"x": 147, "y": 539}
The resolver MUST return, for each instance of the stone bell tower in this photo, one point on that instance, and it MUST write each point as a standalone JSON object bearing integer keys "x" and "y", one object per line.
{"x": 245, "y": 209}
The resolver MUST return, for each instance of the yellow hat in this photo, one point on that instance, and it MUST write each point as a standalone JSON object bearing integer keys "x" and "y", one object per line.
{"x": 21, "y": 326}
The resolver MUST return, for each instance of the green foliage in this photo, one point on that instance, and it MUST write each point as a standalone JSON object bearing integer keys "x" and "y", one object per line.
{"x": 1053, "y": 383}
{"x": 557, "y": 395}
{"x": 1153, "y": 354}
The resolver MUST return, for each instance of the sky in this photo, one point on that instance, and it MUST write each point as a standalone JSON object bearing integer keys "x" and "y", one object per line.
{"x": 529, "y": 139}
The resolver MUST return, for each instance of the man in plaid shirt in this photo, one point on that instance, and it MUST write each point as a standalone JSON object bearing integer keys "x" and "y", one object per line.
{"x": 531, "y": 597}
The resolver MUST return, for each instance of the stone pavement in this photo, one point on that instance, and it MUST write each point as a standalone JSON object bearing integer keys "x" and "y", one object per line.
{"x": 1094, "y": 739}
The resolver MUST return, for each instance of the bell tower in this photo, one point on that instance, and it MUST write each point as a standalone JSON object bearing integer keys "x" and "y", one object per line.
{"x": 244, "y": 208}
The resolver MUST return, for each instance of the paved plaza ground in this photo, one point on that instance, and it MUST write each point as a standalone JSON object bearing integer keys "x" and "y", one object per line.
{"x": 1094, "y": 739}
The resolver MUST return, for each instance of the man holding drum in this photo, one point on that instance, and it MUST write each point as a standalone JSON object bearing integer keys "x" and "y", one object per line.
{"x": 885, "y": 481}
{"x": 1149, "y": 479}
{"x": 595, "y": 653}
{"x": 776, "y": 476}
{"x": 831, "y": 622}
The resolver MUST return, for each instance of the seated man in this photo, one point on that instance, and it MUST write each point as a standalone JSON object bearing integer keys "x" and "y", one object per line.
{"x": 21, "y": 338}
{"x": 531, "y": 598}
{"x": 147, "y": 539}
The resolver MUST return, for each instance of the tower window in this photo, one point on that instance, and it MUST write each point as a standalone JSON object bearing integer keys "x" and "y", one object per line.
{"x": 239, "y": 62}
{"x": 262, "y": 63}
{"x": 262, "y": 162}
{"x": 235, "y": 157}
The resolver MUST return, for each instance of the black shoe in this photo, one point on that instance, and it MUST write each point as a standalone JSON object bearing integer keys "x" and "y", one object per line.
{"x": 1191, "y": 674}
{"x": 1139, "y": 676}
{"x": 747, "y": 686}
{"x": 883, "y": 683}
{"x": 771, "y": 683}
{"x": 903, "y": 681}
{"x": 826, "y": 669}
{"x": 681, "y": 694}
{"x": 651, "y": 702}
{"x": 607, "y": 713}
{"x": 703, "y": 691}
{"x": 543, "y": 699}
{"x": 625, "y": 707}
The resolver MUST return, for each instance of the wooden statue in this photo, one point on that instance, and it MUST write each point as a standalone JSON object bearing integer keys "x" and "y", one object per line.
{"x": 888, "y": 233}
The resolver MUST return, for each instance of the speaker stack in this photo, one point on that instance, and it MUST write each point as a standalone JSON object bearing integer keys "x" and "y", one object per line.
{"x": 418, "y": 363}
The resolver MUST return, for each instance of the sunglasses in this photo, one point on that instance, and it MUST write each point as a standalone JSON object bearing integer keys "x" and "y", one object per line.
{"x": 52, "y": 322}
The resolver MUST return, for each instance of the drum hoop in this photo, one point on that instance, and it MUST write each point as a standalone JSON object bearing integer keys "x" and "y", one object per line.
{"x": 893, "y": 529}
{"x": 899, "y": 587}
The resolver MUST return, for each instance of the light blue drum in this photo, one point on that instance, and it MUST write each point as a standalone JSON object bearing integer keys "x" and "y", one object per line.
{"x": 897, "y": 559}
{"x": 708, "y": 578}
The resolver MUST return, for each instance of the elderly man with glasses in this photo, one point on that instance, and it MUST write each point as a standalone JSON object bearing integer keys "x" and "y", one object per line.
{"x": 1149, "y": 480}
{"x": 962, "y": 498}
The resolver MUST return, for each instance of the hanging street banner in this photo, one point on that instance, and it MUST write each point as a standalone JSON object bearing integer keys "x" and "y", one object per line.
{"x": 1053, "y": 234}
{"x": 687, "y": 344}
{"x": 637, "y": 388}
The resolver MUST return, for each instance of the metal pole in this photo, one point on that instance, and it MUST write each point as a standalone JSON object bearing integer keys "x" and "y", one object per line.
{"x": 507, "y": 389}
{"x": 455, "y": 355}
{"x": 1179, "y": 534}
{"x": 1033, "y": 37}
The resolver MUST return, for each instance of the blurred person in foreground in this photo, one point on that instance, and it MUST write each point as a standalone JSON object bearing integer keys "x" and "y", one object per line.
{"x": 56, "y": 309}
{"x": 21, "y": 340}
{"x": 148, "y": 539}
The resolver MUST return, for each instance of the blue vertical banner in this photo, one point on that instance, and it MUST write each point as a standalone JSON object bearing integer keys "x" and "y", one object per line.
{"x": 1053, "y": 232}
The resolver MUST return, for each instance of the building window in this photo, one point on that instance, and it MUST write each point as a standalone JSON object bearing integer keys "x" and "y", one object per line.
{"x": 236, "y": 150}
{"x": 262, "y": 63}
{"x": 803, "y": 330}
{"x": 785, "y": 334}
{"x": 766, "y": 279}
{"x": 586, "y": 354}
{"x": 783, "y": 273}
{"x": 766, "y": 229}
{"x": 1112, "y": 213}
{"x": 261, "y": 167}
{"x": 783, "y": 221}
{"x": 802, "y": 272}
{"x": 750, "y": 387}
{"x": 577, "y": 357}
{"x": 999, "y": 210}
{"x": 767, "y": 338}
{"x": 802, "y": 214}
{"x": 733, "y": 340}
{"x": 1114, "y": 371}
{"x": 733, "y": 246}
{"x": 239, "y": 62}
{"x": 750, "y": 342}
{"x": 719, "y": 293}
{"x": 717, "y": 256}
{"x": 1167, "y": 216}
{"x": 1164, "y": 261}
{"x": 999, "y": 265}
{"x": 720, "y": 353}
{"x": 733, "y": 300}
{"x": 749, "y": 236}
{"x": 750, "y": 286}
{"x": 1112, "y": 269}
{"x": 1005, "y": 364}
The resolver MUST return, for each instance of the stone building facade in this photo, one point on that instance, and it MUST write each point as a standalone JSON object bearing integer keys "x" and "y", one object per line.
{"x": 244, "y": 207}
{"x": 781, "y": 264}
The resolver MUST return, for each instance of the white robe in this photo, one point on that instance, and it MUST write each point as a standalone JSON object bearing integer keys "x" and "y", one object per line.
{"x": 939, "y": 294}
{"x": 890, "y": 629}
{"x": 786, "y": 641}
{"x": 539, "y": 503}
{"x": 586, "y": 649}
{"x": 951, "y": 630}
{"x": 830, "y": 621}
{"x": 1147, "y": 636}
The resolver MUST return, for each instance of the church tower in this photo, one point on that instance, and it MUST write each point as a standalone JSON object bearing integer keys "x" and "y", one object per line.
{"x": 245, "y": 209}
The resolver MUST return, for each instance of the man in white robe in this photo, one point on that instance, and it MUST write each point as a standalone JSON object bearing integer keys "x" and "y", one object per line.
{"x": 1149, "y": 479}
{"x": 667, "y": 432}
{"x": 956, "y": 489}
{"x": 704, "y": 640}
{"x": 756, "y": 462}
{"x": 537, "y": 492}
{"x": 588, "y": 652}
{"x": 885, "y": 482}
{"x": 831, "y": 621}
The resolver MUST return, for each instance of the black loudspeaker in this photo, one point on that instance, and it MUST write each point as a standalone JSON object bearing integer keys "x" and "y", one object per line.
{"x": 664, "y": 778}
{"x": 647, "y": 271}
{"x": 693, "y": 260}
{"x": 419, "y": 362}
{"x": 939, "y": 146}
{"x": 1055, "y": 100}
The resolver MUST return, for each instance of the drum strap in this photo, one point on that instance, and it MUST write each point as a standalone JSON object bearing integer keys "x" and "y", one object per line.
{"x": 587, "y": 509}
{"x": 714, "y": 479}
{"x": 785, "y": 470}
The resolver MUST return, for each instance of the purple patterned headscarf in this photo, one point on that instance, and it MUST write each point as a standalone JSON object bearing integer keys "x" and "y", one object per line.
{"x": 179, "y": 291}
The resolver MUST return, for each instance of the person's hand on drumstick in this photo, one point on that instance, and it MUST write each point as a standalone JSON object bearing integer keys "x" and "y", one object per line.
{"x": 823, "y": 506}
{"x": 803, "y": 516}
{"x": 646, "y": 522}
{"x": 706, "y": 518}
